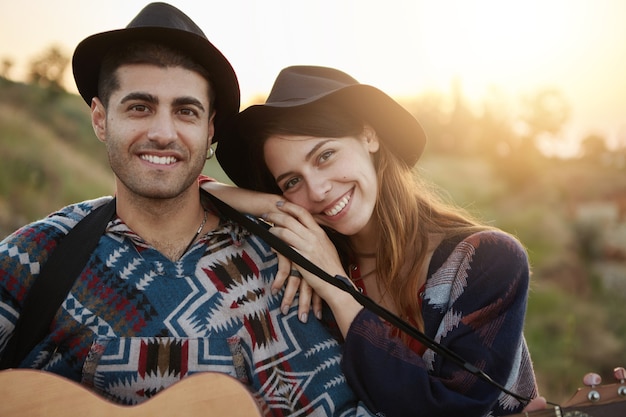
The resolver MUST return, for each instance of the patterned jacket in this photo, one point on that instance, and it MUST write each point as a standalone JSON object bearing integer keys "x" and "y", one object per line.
{"x": 474, "y": 304}
{"x": 135, "y": 322}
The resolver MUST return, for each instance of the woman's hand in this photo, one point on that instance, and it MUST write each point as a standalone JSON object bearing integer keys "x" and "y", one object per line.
{"x": 258, "y": 204}
{"x": 291, "y": 278}
{"x": 294, "y": 225}
{"x": 537, "y": 403}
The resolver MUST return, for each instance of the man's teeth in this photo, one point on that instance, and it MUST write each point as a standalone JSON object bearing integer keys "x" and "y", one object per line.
{"x": 159, "y": 160}
{"x": 340, "y": 205}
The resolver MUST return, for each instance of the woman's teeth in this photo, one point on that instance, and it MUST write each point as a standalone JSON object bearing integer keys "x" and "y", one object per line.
{"x": 337, "y": 209}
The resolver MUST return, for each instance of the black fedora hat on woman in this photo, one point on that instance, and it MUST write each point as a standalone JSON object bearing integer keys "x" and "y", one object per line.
{"x": 163, "y": 24}
{"x": 300, "y": 86}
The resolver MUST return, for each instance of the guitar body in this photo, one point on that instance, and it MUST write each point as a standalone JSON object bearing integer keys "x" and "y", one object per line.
{"x": 37, "y": 394}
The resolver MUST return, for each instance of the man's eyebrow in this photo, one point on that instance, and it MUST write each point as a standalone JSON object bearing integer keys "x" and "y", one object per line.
{"x": 150, "y": 98}
{"x": 306, "y": 158}
{"x": 140, "y": 96}
{"x": 187, "y": 100}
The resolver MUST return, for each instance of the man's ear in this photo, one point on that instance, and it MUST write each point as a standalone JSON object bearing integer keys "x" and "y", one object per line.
{"x": 98, "y": 118}
{"x": 211, "y": 128}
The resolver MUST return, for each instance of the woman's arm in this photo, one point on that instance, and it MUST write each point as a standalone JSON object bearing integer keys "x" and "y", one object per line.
{"x": 260, "y": 205}
{"x": 475, "y": 306}
{"x": 245, "y": 201}
{"x": 298, "y": 228}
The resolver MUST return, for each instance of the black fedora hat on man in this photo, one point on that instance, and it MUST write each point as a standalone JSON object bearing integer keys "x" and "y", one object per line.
{"x": 299, "y": 86}
{"x": 164, "y": 24}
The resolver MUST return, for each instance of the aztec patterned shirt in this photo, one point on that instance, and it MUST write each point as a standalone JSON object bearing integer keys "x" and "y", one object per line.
{"x": 474, "y": 304}
{"x": 135, "y": 322}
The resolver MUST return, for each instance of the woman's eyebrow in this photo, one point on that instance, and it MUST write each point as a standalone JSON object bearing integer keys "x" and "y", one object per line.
{"x": 315, "y": 148}
{"x": 306, "y": 158}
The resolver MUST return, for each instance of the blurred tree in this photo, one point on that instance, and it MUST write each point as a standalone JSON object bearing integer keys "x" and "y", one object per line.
{"x": 429, "y": 109}
{"x": 498, "y": 139}
{"x": 593, "y": 147}
{"x": 544, "y": 112}
{"x": 7, "y": 64}
{"x": 47, "y": 70}
{"x": 461, "y": 128}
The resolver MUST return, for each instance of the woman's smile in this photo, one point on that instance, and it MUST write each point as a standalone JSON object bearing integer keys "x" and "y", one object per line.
{"x": 340, "y": 205}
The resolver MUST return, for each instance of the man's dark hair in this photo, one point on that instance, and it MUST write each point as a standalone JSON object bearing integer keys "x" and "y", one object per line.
{"x": 144, "y": 52}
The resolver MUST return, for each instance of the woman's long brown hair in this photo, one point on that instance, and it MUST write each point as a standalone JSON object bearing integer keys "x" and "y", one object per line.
{"x": 410, "y": 212}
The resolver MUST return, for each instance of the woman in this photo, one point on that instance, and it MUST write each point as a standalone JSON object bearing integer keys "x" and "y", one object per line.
{"x": 341, "y": 153}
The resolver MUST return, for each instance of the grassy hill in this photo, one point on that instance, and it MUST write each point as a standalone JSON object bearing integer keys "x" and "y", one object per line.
{"x": 50, "y": 154}
{"x": 570, "y": 215}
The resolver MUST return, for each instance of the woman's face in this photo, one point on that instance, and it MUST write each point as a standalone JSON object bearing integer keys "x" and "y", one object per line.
{"x": 333, "y": 178}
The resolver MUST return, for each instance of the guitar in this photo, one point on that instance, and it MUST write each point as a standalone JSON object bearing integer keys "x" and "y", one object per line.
{"x": 594, "y": 400}
{"x": 35, "y": 393}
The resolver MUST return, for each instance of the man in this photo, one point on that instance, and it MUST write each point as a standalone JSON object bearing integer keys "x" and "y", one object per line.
{"x": 172, "y": 287}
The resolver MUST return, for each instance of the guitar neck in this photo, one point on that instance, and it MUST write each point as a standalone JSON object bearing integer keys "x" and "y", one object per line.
{"x": 606, "y": 409}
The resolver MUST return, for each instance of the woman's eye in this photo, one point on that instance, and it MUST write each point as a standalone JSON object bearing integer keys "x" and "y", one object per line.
{"x": 290, "y": 184}
{"x": 325, "y": 155}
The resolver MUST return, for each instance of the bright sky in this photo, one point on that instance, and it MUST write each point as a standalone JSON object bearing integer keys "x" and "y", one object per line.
{"x": 404, "y": 47}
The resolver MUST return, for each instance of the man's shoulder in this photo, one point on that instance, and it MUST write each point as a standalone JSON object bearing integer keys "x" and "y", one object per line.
{"x": 68, "y": 216}
{"x": 59, "y": 222}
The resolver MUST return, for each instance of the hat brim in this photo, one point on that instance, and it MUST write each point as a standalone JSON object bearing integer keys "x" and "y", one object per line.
{"x": 398, "y": 128}
{"x": 89, "y": 54}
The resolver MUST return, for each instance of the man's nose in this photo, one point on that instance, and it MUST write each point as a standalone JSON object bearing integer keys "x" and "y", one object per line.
{"x": 163, "y": 128}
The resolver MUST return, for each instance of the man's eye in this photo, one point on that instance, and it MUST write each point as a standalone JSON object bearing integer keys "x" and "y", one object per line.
{"x": 188, "y": 112}
{"x": 139, "y": 108}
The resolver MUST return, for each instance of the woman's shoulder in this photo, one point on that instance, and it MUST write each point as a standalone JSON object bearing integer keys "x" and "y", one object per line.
{"x": 487, "y": 250}
{"x": 484, "y": 243}
{"x": 495, "y": 247}
{"x": 495, "y": 240}
{"x": 482, "y": 263}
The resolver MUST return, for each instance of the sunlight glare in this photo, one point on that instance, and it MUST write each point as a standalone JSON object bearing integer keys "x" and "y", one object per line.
{"x": 489, "y": 42}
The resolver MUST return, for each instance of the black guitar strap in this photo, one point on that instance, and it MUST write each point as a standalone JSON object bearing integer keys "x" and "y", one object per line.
{"x": 260, "y": 229}
{"x": 73, "y": 252}
{"x": 54, "y": 282}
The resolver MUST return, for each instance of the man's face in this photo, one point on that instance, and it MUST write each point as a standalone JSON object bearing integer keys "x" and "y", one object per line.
{"x": 157, "y": 129}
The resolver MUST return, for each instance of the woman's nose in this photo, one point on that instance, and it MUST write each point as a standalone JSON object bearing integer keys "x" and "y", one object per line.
{"x": 319, "y": 189}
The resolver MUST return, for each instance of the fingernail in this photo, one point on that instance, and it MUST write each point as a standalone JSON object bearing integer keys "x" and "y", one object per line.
{"x": 284, "y": 310}
{"x": 280, "y": 203}
{"x": 274, "y": 291}
{"x": 304, "y": 317}
{"x": 318, "y": 315}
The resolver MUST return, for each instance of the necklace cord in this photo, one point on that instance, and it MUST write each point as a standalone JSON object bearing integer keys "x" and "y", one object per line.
{"x": 195, "y": 236}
